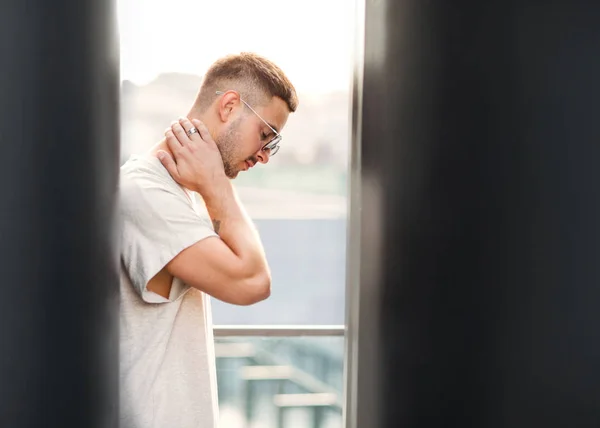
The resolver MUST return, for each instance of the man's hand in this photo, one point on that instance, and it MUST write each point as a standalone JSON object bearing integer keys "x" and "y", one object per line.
{"x": 198, "y": 164}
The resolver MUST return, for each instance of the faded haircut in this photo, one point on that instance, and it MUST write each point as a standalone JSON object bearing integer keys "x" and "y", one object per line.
{"x": 256, "y": 78}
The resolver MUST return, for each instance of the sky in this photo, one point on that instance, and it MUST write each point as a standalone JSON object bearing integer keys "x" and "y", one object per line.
{"x": 311, "y": 40}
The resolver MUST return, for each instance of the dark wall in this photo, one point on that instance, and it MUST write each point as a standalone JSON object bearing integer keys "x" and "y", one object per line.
{"x": 480, "y": 149}
{"x": 60, "y": 142}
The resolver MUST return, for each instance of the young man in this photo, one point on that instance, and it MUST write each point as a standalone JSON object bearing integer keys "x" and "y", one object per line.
{"x": 176, "y": 252}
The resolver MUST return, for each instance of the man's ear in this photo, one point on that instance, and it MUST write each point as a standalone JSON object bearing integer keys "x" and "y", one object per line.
{"x": 228, "y": 106}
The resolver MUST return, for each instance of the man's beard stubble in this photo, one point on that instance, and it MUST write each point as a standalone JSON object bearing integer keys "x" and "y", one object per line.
{"x": 227, "y": 143}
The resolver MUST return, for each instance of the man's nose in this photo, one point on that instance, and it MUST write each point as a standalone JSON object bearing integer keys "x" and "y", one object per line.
{"x": 263, "y": 155}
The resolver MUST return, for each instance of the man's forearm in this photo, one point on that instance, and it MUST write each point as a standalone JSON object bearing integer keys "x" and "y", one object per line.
{"x": 233, "y": 225}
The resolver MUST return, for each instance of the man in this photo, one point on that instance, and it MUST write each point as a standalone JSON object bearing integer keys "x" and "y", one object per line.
{"x": 177, "y": 251}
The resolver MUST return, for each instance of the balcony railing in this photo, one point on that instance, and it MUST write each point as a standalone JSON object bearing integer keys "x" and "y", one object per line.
{"x": 278, "y": 330}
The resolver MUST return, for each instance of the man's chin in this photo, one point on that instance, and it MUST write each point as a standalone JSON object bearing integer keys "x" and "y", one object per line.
{"x": 232, "y": 174}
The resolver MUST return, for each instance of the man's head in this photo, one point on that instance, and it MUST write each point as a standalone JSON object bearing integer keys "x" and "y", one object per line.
{"x": 245, "y": 101}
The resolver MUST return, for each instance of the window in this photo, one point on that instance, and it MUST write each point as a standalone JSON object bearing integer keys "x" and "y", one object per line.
{"x": 298, "y": 201}
{"x": 280, "y": 382}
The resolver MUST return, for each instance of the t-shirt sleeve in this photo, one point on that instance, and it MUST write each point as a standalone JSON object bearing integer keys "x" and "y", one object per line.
{"x": 158, "y": 222}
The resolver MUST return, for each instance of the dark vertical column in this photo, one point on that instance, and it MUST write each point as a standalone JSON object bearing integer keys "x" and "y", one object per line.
{"x": 480, "y": 151}
{"x": 59, "y": 141}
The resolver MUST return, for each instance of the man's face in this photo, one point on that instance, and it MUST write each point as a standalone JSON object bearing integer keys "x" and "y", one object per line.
{"x": 241, "y": 142}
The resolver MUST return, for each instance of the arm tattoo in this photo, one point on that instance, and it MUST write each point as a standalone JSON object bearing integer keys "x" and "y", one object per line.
{"x": 216, "y": 225}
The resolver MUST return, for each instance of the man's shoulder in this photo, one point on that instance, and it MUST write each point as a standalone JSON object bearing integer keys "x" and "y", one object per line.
{"x": 146, "y": 173}
{"x": 144, "y": 166}
{"x": 144, "y": 181}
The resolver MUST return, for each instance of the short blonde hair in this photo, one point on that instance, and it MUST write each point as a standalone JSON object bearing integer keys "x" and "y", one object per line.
{"x": 250, "y": 74}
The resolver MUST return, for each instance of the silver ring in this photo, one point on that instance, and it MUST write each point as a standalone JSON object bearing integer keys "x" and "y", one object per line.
{"x": 191, "y": 131}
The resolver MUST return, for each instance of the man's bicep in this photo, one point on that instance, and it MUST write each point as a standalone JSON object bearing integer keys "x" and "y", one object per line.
{"x": 210, "y": 266}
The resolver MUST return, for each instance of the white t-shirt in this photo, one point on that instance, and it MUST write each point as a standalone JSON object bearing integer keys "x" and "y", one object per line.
{"x": 167, "y": 361}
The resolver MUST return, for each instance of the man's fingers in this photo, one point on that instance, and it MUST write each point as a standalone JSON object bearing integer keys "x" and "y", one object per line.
{"x": 180, "y": 133}
{"x": 172, "y": 142}
{"x": 203, "y": 130}
{"x": 187, "y": 125}
{"x": 168, "y": 163}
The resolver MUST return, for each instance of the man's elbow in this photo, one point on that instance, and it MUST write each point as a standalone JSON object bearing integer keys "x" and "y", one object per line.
{"x": 256, "y": 289}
